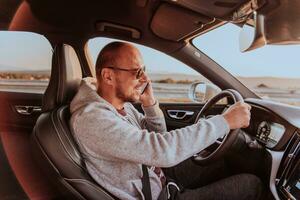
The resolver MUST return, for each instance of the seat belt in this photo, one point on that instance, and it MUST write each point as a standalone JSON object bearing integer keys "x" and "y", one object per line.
{"x": 146, "y": 184}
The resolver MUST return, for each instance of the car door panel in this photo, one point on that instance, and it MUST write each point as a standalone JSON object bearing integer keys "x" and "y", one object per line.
{"x": 10, "y": 187}
{"x": 190, "y": 110}
{"x": 13, "y": 110}
{"x": 15, "y": 130}
{"x": 20, "y": 175}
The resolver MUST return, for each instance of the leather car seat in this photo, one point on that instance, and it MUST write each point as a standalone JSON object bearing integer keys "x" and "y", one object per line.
{"x": 53, "y": 144}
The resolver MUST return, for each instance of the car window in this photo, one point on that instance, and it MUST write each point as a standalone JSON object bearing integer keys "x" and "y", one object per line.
{"x": 272, "y": 72}
{"x": 171, "y": 78}
{"x": 25, "y": 62}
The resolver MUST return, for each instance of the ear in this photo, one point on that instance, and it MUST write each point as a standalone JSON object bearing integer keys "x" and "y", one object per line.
{"x": 107, "y": 76}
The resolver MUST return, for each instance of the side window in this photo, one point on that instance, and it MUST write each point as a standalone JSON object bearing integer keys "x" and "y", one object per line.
{"x": 171, "y": 78}
{"x": 25, "y": 62}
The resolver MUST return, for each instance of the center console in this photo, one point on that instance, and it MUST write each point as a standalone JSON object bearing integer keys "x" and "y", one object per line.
{"x": 288, "y": 177}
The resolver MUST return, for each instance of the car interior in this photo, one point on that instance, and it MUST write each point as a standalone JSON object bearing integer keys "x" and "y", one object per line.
{"x": 39, "y": 158}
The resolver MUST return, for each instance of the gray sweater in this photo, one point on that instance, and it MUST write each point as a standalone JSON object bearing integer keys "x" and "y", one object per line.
{"x": 116, "y": 146}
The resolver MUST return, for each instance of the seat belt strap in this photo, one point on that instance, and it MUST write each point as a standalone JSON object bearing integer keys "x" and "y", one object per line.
{"x": 146, "y": 184}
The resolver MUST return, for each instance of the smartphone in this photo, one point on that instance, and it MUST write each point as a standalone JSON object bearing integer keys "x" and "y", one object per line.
{"x": 144, "y": 87}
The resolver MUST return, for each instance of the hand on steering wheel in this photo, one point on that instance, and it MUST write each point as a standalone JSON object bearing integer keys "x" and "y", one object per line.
{"x": 237, "y": 116}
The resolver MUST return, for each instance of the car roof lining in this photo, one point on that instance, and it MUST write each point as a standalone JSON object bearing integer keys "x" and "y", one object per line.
{"x": 81, "y": 19}
{"x": 7, "y": 11}
{"x": 187, "y": 22}
{"x": 221, "y": 9}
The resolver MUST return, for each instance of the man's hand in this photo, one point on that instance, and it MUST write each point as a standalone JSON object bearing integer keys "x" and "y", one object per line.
{"x": 238, "y": 115}
{"x": 147, "y": 98}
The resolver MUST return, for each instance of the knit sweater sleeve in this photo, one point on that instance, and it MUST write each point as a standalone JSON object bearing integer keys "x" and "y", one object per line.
{"x": 113, "y": 137}
{"x": 152, "y": 120}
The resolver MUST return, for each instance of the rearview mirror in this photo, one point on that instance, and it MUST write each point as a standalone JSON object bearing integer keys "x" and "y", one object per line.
{"x": 252, "y": 37}
{"x": 280, "y": 26}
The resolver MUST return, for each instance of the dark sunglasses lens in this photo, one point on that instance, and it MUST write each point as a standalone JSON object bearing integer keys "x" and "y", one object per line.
{"x": 140, "y": 72}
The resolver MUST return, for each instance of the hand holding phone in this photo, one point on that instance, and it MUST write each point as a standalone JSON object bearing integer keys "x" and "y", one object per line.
{"x": 144, "y": 87}
{"x": 147, "y": 99}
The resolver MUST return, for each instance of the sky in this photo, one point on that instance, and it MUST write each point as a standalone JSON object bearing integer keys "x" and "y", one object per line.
{"x": 222, "y": 45}
{"x": 25, "y": 51}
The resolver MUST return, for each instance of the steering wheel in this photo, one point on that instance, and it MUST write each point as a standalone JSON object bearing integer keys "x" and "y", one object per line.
{"x": 222, "y": 145}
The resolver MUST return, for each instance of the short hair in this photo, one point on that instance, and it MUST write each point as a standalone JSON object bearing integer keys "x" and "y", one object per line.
{"x": 107, "y": 56}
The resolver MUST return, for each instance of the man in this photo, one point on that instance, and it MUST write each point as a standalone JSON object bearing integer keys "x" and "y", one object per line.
{"x": 116, "y": 139}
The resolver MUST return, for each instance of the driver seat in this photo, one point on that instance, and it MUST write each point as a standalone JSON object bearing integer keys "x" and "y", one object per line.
{"x": 53, "y": 145}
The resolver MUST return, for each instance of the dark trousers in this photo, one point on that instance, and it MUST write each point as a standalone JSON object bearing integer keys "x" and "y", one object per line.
{"x": 213, "y": 183}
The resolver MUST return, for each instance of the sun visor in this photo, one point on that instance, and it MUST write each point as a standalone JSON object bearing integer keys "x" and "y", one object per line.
{"x": 175, "y": 23}
{"x": 220, "y": 9}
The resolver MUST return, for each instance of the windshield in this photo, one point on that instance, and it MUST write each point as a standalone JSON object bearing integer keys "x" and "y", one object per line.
{"x": 272, "y": 72}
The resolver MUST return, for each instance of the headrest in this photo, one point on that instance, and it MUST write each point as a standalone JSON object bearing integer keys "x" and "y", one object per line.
{"x": 65, "y": 77}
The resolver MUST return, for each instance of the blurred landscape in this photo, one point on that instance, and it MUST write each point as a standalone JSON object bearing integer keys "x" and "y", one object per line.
{"x": 167, "y": 87}
{"x": 285, "y": 90}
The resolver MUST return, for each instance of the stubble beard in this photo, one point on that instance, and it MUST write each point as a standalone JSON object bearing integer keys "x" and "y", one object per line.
{"x": 123, "y": 96}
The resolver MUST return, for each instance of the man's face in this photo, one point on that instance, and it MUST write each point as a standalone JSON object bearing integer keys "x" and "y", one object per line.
{"x": 127, "y": 84}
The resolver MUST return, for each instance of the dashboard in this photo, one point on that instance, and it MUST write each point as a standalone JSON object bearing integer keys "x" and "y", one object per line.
{"x": 269, "y": 128}
{"x": 277, "y": 127}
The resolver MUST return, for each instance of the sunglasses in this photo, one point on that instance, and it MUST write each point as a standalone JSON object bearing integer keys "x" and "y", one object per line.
{"x": 139, "y": 72}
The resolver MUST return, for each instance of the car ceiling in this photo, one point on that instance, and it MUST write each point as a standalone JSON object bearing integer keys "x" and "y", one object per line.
{"x": 7, "y": 11}
{"x": 155, "y": 23}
